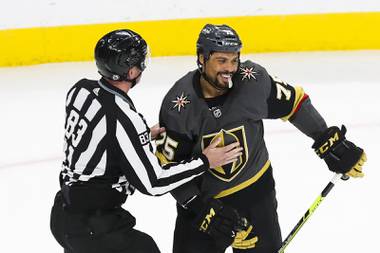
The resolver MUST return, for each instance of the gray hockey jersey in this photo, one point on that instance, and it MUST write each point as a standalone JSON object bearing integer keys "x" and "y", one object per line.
{"x": 191, "y": 124}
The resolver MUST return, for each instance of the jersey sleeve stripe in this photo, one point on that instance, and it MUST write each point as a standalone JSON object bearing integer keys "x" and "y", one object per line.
{"x": 148, "y": 158}
{"x": 69, "y": 96}
{"x": 301, "y": 102}
{"x": 97, "y": 135}
{"x": 92, "y": 110}
{"x": 153, "y": 160}
{"x": 167, "y": 175}
{"x": 81, "y": 98}
{"x": 133, "y": 158}
{"x": 99, "y": 168}
{"x": 300, "y": 96}
{"x": 145, "y": 166}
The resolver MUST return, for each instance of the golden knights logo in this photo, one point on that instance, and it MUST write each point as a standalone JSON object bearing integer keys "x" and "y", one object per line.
{"x": 229, "y": 171}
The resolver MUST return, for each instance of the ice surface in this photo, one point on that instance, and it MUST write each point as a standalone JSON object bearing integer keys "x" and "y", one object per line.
{"x": 343, "y": 86}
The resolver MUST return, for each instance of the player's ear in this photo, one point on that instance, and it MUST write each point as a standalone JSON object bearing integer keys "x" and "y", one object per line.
{"x": 133, "y": 72}
{"x": 201, "y": 59}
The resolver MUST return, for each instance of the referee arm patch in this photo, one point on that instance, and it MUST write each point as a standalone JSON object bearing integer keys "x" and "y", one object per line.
{"x": 144, "y": 138}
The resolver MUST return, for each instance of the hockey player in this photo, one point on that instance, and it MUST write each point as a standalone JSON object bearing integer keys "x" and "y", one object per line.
{"x": 228, "y": 99}
{"x": 108, "y": 154}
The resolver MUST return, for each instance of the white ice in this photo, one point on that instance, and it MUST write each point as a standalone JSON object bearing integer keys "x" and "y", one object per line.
{"x": 344, "y": 87}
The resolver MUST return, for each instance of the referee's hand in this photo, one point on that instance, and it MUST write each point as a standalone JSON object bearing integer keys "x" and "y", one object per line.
{"x": 155, "y": 131}
{"x": 219, "y": 156}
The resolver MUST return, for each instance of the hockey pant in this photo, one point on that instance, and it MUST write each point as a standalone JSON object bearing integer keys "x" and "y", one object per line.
{"x": 108, "y": 231}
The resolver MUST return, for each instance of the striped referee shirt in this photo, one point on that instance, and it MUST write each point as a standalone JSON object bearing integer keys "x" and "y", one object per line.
{"x": 107, "y": 144}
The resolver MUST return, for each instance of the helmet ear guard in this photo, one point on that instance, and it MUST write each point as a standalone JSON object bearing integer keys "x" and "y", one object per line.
{"x": 119, "y": 51}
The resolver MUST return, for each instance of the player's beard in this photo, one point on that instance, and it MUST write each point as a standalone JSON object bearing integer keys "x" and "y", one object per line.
{"x": 220, "y": 85}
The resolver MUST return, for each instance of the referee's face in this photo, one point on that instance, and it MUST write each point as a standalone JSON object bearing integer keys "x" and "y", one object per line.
{"x": 221, "y": 66}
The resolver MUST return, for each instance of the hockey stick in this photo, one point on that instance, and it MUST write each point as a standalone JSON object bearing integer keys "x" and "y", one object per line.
{"x": 311, "y": 210}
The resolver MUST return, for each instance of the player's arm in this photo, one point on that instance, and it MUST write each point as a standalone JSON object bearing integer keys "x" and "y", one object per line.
{"x": 293, "y": 104}
{"x": 143, "y": 168}
{"x": 330, "y": 144}
{"x": 174, "y": 147}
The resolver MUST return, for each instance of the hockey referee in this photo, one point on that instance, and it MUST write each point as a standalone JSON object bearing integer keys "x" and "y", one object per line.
{"x": 108, "y": 154}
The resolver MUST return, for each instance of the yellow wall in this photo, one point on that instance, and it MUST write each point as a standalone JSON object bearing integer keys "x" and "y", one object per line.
{"x": 302, "y": 32}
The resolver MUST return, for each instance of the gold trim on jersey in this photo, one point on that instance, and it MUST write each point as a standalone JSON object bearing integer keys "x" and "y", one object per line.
{"x": 245, "y": 183}
{"x": 162, "y": 158}
{"x": 299, "y": 93}
{"x": 229, "y": 171}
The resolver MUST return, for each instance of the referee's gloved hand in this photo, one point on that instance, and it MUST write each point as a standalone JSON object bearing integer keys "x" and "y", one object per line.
{"x": 340, "y": 155}
{"x": 221, "y": 222}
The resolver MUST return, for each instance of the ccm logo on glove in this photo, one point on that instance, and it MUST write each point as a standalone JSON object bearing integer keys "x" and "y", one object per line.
{"x": 203, "y": 227}
{"x": 328, "y": 144}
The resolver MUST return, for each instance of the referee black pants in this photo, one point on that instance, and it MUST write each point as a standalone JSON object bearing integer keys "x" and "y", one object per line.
{"x": 108, "y": 231}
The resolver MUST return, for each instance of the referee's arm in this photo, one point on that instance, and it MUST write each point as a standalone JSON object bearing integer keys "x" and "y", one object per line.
{"x": 141, "y": 165}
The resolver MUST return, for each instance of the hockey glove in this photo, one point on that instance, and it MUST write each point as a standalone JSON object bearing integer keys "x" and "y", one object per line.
{"x": 245, "y": 239}
{"x": 340, "y": 155}
{"x": 219, "y": 221}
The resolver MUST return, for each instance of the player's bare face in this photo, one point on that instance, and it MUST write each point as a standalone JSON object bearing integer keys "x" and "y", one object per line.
{"x": 221, "y": 66}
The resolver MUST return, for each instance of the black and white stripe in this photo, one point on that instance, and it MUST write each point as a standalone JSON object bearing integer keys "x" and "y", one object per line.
{"x": 107, "y": 141}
